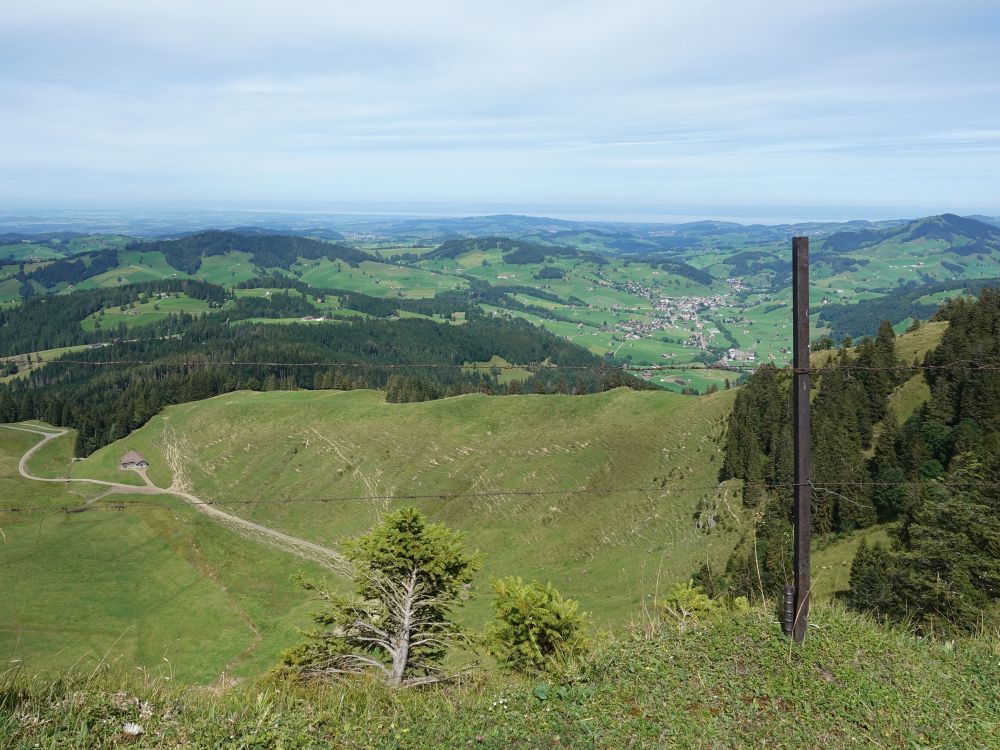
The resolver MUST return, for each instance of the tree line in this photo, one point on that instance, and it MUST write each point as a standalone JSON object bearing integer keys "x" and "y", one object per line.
{"x": 933, "y": 478}
{"x": 187, "y": 358}
{"x": 266, "y": 251}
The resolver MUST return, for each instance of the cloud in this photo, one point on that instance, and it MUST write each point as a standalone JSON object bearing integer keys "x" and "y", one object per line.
{"x": 546, "y": 102}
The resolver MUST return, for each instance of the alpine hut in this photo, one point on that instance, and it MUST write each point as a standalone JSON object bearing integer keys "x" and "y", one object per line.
{"x": 133, "y": 460}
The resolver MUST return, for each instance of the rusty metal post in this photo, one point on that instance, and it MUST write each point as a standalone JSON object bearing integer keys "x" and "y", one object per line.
{"x": 800, "y": 405}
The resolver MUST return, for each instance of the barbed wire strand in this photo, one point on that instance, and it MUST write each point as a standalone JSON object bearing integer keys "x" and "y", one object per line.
{"x": 475, "y": 366}
{"x": 968, "y": 365}
{"x": 666, "y": 488}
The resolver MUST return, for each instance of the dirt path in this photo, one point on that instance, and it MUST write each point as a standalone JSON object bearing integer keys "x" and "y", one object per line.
{"x": 324, "y": 556}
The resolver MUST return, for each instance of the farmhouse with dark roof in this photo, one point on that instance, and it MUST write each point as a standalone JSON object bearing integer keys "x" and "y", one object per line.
{"x": 133, "y": 460}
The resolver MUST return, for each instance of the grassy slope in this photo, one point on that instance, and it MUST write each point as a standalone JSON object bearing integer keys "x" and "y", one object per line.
{"x": 377, "y": 279}
{"x": 135, "y": 266}
{"x": 607, "y": 550}
{"x": 138, "y": 574}
{"x": 158, "y": 586}
{"x": 733, "y": 683}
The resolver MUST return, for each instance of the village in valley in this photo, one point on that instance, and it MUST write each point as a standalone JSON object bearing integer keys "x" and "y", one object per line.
{"x": 700, "y": 324}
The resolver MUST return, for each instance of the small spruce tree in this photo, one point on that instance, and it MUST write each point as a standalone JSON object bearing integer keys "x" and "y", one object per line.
{"x": 409, "y": 575}
{"x": 534, "y": 625}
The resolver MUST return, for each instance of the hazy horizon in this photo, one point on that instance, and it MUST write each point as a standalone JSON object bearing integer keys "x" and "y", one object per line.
{"x": 227, "y": 216}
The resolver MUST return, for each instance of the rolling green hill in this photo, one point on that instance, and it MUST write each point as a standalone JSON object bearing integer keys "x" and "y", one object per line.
{"x": 522, "y": 476}
{"x": 323, "y": 444}
{"x": 616, "y": 289}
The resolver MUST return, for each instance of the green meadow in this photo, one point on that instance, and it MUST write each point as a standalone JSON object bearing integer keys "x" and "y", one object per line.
{"x": 120, "y": 586}
{"x": 530, "y": 473}
{"x": 144, "y": 313}
{"x": 376, "y": 279}
{"x": 597, "y": 494}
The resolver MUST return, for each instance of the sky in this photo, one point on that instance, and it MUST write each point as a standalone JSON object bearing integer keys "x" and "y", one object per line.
{"x": 825, "y": 109}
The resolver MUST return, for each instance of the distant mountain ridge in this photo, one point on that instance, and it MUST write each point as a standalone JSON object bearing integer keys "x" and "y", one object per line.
{"x": 961, "y": 232}
{"x": 267, "y": 250}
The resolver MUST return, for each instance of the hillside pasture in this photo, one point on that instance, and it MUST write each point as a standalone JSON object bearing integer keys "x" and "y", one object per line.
{"x": 376, "y": 279}
{"x": 144, "y": 313}
{"x": 120, "y": 586}
{"x": 525, "y": 468}
{"x": 506, "y": 372}
{"x": 133, "y": 267}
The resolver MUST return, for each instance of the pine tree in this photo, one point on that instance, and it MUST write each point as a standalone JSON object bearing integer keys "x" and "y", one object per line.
{"x": 409, "y": 577}
{"x": 870, "y": 583}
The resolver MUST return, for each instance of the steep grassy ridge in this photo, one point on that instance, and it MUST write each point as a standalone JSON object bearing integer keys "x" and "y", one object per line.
{"x": 354, "y": 449}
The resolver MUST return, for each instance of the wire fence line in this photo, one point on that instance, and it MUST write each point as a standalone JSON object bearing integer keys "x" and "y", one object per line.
{"x": 656, "y": 489}
{"x": 968, "y": 365}
{"x": 473, "y": 366}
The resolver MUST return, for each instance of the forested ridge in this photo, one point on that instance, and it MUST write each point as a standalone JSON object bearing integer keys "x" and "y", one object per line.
{"x": 54, "y": 321}
{"x": 267, "y": 251}
{"x": 896, "y": 305}
{"x": 68, "y": 270}
{"x": 935, "y": 476}
{"x": 516, "y": 251}
{"x": 185, "y": 358}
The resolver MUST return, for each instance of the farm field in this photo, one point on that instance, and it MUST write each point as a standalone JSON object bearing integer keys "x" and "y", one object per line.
{"x": 641, "y": 309}
{"x": 29, "y": 251}
{"x": 376, "y": 279}
{"x": 505, "y": 373}
{"x": 227, "y": 270}
{"x": 133, "y": 267}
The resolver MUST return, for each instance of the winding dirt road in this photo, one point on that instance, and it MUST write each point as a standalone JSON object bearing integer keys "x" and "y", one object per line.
{"x": 324, "y": 556}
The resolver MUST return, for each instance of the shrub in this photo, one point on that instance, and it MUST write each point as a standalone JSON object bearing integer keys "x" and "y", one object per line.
{"x": 687, "y": 604}
{"x": 534, "y": 625}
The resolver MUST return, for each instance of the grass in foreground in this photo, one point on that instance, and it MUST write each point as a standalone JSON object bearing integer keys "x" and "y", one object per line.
{"x": 733, "y": 683}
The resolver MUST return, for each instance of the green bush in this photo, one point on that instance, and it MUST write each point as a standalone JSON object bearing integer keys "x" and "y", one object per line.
{"x": 687, "y": 604}
{"x": 534, "y": 625}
